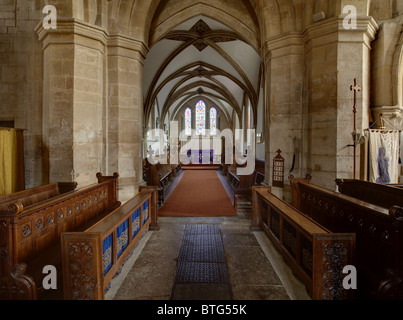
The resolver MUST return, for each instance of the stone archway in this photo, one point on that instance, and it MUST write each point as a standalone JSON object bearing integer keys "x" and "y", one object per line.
{"x": 109, "y": 42}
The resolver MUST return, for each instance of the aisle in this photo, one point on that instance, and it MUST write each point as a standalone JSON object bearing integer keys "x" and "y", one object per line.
{"x": 199, "y": 193}
{"x": 202, "y": 272}
{"x": 151, "y": 273}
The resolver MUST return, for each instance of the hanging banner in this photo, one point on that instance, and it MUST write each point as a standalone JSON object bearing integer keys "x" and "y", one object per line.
{"x": 383, "y": 156}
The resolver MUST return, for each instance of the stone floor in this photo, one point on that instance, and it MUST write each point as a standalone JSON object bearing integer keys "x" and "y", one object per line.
{"x": 256, "y": 271}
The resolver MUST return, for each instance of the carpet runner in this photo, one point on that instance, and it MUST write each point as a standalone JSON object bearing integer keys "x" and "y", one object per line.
{"x": 202, "y": 272}
{"x": 199, "y": 193}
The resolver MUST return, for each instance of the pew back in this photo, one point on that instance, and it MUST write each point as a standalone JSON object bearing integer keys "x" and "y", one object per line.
{"x": 35, "y": 195}
{"x": 379, "y": 231}
{"x": 315, "y": 254}
{"x": 91, "y": 258}
{"x": 382, "y": 195}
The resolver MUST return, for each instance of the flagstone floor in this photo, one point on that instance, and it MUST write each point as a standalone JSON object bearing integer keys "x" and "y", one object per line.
{"x": 256, "y": 271}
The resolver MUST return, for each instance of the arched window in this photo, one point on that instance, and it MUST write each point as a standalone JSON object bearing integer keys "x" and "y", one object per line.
{"x": 188, "y": 122}
{"x": 213, "y": 121}
{"x": 200, "y": 118}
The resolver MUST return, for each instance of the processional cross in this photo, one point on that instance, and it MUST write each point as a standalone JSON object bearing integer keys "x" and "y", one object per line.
{"x": 356, "y": 89}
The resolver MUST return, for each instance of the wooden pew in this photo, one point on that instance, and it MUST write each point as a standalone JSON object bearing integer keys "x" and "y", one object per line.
{"x": 161, "y": 176}
{"x": 316, "y": 255}
{"x": 260, "y": 171}
{"x": 30, "y": 236}
{"x": 379, "y": 234}
{"x": 233, "y": 179}
{"x": 92, "y": 257}
{"x": 244, "y": 188}
{"x": 382, "y": 195}
{"x": 24, "y": 199}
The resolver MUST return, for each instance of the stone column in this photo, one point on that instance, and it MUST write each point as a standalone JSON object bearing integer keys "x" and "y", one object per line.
{"x": 125, "y": 113}
{"x": 335, "y": 56}
{"x": 387, "y": 64}
{"x": 73, "y": 101}
{"x": 284, "y": 64}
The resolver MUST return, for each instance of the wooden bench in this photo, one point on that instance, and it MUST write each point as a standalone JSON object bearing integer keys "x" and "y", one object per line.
{"x": 223, "y": 167}
{"x": 379, "y": 234}
{"x": 22, "y": 200}
{"x": 260, "y": 171}
{"x": 382, "y": 195}
{"x": 92, "y": 257}
{"x": 244, "y": 189}
{"x": 161, "y": 176}
{"x": 233, "y": 179}
{"x": 316, "y": 255}
{"x": 30, "y": 236}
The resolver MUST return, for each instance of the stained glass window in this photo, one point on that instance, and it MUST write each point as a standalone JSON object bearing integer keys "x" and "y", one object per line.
{"x": 200, "y": 118}
{"x": 188, "y": 122}
{"x": 213, "y": 121}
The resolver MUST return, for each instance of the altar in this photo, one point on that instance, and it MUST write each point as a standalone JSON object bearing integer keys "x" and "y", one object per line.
{"x": 200, "y": 156}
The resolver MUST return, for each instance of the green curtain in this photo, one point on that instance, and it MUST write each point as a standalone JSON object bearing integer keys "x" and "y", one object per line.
{"x": 11, "y": 161}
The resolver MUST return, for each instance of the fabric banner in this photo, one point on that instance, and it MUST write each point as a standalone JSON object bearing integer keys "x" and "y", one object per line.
{"x": 384, "y": 153}
{"x": 11, "y": 161}
{"x": 107, "y": 253}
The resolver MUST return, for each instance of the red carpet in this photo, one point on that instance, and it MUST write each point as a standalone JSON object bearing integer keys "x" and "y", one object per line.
{"x": 198, "y": 194}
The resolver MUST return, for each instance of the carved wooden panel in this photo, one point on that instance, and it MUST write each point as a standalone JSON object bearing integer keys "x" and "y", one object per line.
{"x": 290, "y": 238}
{"x": 332, "y": 253}
{"x": 82, "y": 266}
{"x": 275, "y": 223}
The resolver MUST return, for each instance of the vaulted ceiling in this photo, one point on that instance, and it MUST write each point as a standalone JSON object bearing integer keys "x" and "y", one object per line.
{"x": 201, "y": 57}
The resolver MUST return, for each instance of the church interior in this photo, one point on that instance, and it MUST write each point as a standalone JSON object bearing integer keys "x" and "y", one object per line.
{"x": 201, "y": 150}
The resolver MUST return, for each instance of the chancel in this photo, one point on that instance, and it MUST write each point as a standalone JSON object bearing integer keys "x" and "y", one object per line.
{"x": 201, "y": 150}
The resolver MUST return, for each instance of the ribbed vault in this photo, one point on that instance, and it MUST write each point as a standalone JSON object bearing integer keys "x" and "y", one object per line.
{"x": 200, "y": 49}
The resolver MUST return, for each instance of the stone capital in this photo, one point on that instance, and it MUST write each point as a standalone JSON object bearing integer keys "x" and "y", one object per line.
{"x": 392, "y": 114}
{"x": 332, "y": 31}
{"x": 119, "y": 45}
{"x": 292, "y": 42}
{"x": 73, "y": 31}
